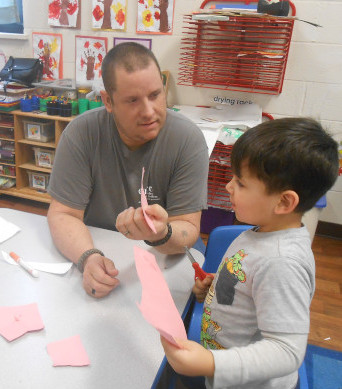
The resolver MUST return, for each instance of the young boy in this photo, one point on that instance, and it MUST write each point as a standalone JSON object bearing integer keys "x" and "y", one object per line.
{"x": 256, "y": 314}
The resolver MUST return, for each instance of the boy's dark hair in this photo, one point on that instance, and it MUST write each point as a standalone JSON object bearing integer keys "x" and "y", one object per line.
{"x": 129, "y": 55}
{"x": 291, "y": 153}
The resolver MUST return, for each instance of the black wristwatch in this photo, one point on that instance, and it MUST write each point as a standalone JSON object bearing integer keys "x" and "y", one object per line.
{"x": 161, "y": 241}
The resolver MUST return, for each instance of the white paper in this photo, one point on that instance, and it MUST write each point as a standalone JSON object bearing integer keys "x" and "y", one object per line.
{"x": 7, "y": 229}
{"x": 210, "y": 135}
{"x": 55, "y": 268}
{"x": 225, "y": 114}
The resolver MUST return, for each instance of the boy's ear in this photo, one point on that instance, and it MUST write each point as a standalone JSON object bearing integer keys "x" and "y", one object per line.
{"x": 107, "y": 102}
{"x": 288, "y": 202}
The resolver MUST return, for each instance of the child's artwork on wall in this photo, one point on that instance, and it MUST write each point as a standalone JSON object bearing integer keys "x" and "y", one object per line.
{"x": 48, "y": 48}
{"x": 109, "y": 14}
{"x": 90, "y": 52}
{"x": 155, "y": 16}
{"x": 64, "y": 13}
{"x": 145, "y": 42}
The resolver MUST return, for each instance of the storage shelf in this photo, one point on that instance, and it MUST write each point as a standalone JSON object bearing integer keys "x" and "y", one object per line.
{"x": 6, "y": 163}
{"x": 43, "y": 115}
{"x": 32, "y": 166}
{"x": 7, "y": 139}
{"x": 24, "y": 161}
{"x": 28, "y": 193}
{"x": 5, "y": 175}
{"x": 50, "y": 145}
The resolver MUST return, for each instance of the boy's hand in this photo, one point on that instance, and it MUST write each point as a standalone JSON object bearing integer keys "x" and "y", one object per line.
{"x": 192, "y": 359}
{"x": 200, "y": 289}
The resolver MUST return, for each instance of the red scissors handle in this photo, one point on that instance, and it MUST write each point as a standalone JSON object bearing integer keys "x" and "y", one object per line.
{"x": 199, "y": 272}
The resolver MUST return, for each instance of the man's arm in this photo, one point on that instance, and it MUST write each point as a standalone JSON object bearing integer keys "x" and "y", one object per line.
{"x": 69, "y": 233}
{"x": 72, "y": 238}
{"x": 185, "y": 232}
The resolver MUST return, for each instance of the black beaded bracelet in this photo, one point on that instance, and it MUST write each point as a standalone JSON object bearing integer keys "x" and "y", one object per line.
{"x": 161, "y": 241}
{"x": 84, "y": 256}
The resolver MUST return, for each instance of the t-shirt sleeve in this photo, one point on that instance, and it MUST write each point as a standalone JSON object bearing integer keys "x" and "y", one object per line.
{"x": 71, "y": 181}
{"x": 188, "y": 187}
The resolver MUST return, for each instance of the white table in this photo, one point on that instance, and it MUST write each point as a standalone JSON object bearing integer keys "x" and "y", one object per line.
{"x": 124, "y": 350}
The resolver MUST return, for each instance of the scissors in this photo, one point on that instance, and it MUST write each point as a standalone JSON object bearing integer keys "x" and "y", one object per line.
{"x": 199, "y": 272}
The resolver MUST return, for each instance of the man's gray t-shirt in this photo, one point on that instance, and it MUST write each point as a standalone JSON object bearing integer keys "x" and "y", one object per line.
{"x": 95, "y": 171}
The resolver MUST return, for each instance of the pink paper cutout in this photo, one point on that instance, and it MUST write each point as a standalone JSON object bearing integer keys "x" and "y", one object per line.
{"x": 16, "y": 321}
{"x": 157, "y": 305}
{"x": 68, "y": 352}
{"x": 144, "y": 203}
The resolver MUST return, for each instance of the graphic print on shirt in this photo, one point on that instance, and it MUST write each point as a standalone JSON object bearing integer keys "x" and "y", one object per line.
{"x": 209, "y": 329}
{"x": 230, "y": 273}
{"x": 150, "y": 196}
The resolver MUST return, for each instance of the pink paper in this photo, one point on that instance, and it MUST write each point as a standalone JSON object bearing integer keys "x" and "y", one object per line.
{"x": 144, "y": 204}
{"x": 68, "y": 352}
{"x": 157, "y": 305}
{"x": 16, "y": 321}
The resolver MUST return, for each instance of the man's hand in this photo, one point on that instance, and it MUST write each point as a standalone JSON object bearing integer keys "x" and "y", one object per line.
{"x": 192, "y": 359}
{"x": 99, "y": 276}
{"x": 131, "y": 223}
{"x": 200, "y": 289}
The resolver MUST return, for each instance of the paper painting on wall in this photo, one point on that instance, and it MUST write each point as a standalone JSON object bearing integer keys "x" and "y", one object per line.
{"x": 48, "y": 48}
{"x": 155, "y": 16}
{"x": 64, "y": 13}
{"x": 109, "y": 14}
{"x": 90, "y": 52}
{"x": 145, "y": 42}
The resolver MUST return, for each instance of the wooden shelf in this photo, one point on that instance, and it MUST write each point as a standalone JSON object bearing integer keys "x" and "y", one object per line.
{"x": 7, "y": 164}
{"x": 43, "y": 115}
{"x": 5, "y": 175}
{"x": 27, "y": 193}
{"x": 50, "y": 145}
{"x": 32, "y": 166}
{"x": 25, "y": 155}
{"x": 7, "y": 139}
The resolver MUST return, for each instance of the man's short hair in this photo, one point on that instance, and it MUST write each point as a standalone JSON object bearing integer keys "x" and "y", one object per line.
{"x": 290, "y": 153}
{"x": 129, "y": 55}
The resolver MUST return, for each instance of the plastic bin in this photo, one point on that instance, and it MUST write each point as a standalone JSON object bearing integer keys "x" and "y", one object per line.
{"x": 43, "y": 131}
{"x": 38, "y": 181}
{"x": 44, "y": 157}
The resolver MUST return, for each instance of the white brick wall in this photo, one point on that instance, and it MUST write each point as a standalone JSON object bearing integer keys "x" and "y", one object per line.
{"x": 313, "y": 79}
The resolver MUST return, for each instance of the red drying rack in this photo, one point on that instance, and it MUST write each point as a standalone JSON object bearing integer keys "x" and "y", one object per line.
{"x": 244, "y": 53}
{"x": 220, "y": 173}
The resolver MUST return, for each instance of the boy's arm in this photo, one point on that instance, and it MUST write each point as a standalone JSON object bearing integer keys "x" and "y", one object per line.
{"x": 276, "y": 355}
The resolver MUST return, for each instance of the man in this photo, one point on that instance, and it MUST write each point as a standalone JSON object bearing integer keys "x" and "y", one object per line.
{"x": 98, "y": 164}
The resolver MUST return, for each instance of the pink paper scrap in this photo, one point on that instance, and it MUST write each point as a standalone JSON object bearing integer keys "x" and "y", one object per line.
{"x": 157, "y": 305}
{"x": 16, "y": 321}
{"x": 68, "y": 352}
{"x": 144, "y": 203}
